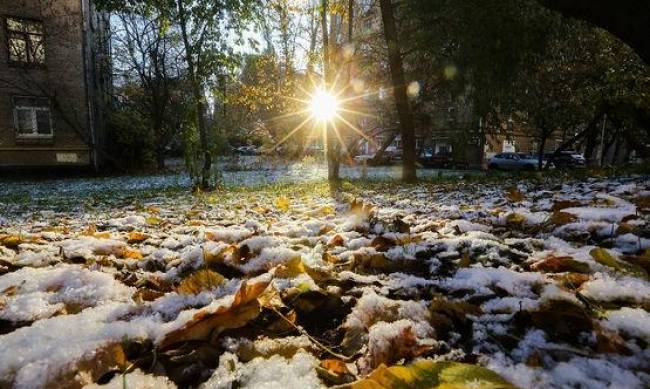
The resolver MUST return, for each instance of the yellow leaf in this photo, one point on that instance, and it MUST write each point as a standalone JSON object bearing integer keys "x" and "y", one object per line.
{"x": 426, "y": 374}
{"x": 137, "y": 237}
{"x": 102, "y": 235}
{"x": 290, "y": 269}
{"x": 153, "y": 220}
{"x": 515, "y": 219}
{"x": 11, "y": 241}
{"x": 131, "y": 253}
{"x": 282, "y": 203}
{"x": 200, "y": 281}
{"x": 604, "y": 257}
{"x": 326, "y": 210}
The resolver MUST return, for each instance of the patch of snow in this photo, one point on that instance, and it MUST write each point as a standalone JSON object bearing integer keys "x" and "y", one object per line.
{"x": 632, "y": 321}
{"x": 276, "y": 372}
{"x": 135, "y": 380}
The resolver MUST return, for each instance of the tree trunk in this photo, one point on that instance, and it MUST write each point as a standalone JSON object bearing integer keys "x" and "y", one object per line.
{"x": 332, "y": 153}
{"x": 160, "y": 158}
{"x": 199, "y": 99}
{"x": 399, "y": 91}
{"x": 540, "y": 151}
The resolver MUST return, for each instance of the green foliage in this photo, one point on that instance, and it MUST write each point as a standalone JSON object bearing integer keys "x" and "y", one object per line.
{"x": 130, "y": 138}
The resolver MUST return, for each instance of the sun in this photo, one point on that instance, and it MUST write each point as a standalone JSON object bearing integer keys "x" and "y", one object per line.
{"x": 324, "y": 106}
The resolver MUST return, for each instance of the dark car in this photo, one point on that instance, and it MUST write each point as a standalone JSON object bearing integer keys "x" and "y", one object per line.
{"x": 566, "y": 159}
{"x": 440, "y": 160}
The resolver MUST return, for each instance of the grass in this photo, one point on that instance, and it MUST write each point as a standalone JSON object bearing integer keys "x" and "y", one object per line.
{"x": 22, "y": 200}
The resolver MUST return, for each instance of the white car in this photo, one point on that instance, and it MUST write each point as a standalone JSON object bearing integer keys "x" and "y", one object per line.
{"x": 512, "y": 161}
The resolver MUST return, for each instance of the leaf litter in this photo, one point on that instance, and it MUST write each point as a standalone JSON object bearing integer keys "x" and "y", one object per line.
{"x": 480, "y": 286}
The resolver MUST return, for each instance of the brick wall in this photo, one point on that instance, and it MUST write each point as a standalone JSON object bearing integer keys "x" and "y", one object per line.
{"x": 62, "y": 79}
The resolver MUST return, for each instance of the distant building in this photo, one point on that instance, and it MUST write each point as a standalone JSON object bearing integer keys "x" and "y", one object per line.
{"x": 54, "y": 81}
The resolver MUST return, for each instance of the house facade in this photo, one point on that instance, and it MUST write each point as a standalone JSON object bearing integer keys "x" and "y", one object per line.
{"x": 54, "y": 81}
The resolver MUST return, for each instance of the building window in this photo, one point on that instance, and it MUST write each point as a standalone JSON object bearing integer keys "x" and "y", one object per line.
{"x": 32, "y": 117}
{"x": 26, "y": 41}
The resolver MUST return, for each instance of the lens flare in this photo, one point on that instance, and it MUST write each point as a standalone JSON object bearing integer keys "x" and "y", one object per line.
{"x": 324, "y": 105}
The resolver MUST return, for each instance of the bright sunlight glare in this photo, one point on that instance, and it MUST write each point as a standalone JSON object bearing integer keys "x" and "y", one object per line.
{"x": 324, "y": 105}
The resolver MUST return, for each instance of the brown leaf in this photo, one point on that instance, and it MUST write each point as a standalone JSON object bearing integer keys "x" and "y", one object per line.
{"x": 200, "y": 281}
{"x": 514, "y": 195}
{"x": 553, "y": 264}
{"x": 559, "y": 218}
{"x": 608, "y": 341}
{"x": 564, "y": 204}
{"x": 383, "y": 244}
{"x": 335, "y": 366}
{"x": 562, "y": 319}
{"x": 336, "y": 241}
{"x": 205, "y": 324}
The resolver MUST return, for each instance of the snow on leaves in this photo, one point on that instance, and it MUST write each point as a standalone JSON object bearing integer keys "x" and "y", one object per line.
{"x": 546, "y": 285}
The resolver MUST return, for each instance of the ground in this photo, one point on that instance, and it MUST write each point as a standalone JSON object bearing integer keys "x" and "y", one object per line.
{"x": 139, "y": 283}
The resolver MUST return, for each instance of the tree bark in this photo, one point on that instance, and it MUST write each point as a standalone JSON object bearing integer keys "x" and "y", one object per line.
{"x": 199, "y": 99}
{"x": 540, "y": 151}
{"x": 332, "y": 152}
{"x": 399, "y": 91}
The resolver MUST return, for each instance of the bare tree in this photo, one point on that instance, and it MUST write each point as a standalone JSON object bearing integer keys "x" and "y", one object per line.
{"x": 145, "y": 46}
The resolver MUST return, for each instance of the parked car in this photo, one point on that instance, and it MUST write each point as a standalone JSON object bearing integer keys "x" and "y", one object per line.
{"x": 512, "y": 161}
{"x": 246, "y": 150}
{"x": 430, "y": 159}
{"x": 566, "y": 159}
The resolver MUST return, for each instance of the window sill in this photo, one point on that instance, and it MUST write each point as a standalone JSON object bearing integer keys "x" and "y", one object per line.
{"x": 34, "y": 140}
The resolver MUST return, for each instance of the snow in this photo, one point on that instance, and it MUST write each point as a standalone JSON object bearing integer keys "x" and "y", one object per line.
{"x": 135, "y": 380}
{"x": 480, "y": 279}
{"x": 42, "y": 292}
{"x": 460, "y": 245}
{"x": 87, "y": 247}
{"x": 612, "y": 215}
{"x": 608, "y": 288}
{"x": 632, "y": 321}
{"x": 275, "y": 372}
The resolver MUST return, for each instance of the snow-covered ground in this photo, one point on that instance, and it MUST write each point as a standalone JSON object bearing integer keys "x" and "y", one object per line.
{"x": 545, "y": 284}
{"x": 66, "y": 191}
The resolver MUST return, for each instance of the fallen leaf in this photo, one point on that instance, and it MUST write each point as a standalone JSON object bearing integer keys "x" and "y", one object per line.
{"x": 427, "y": 374}
{"x": 137, "y": 237}
{"x": 153, "y": 220}
{"x": 604, "y": 257}
{"x": 336, "y": 241}
{"x": 200, "y": 281}
{"x": 206, "y": 325}
{"x": 514, "y": 195}
{"x": 283, "y": 203}
{"x": 564, "y": 204}
{"x": 515, "y": 219}
{"x": 559, "y": 218}
{"x": 130, "y": 253}
{"x": 553, "y": 264}
{"x": 290, "y": 269}
{"x": 335, "y": 366}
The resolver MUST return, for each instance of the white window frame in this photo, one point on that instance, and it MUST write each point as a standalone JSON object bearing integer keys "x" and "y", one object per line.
{"x": 33, "y": 109}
